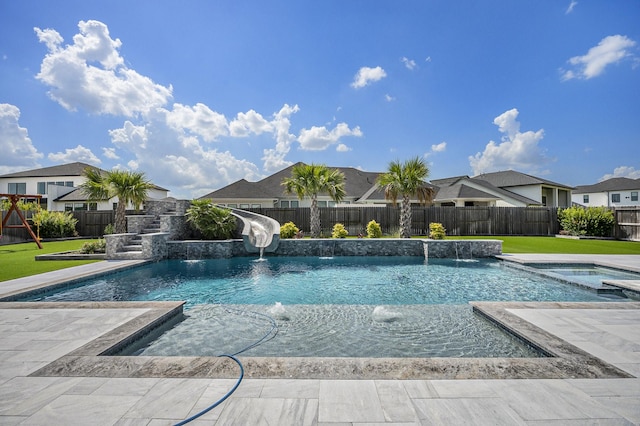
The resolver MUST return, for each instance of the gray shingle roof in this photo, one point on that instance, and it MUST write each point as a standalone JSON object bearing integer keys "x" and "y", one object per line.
{"x": 71, "y": 169}
{"x": 509, "y": 178}
{"x": 357, "y": 183}
{"x": 458, "y": 191}
{"x": 613, "y": 184}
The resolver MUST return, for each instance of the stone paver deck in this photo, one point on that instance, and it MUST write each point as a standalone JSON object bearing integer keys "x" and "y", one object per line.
{"x": 32, "y": 338}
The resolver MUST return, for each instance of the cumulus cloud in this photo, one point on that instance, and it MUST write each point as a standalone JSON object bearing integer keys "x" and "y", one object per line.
{"x": 274, "y": 158}
{"x": 110, "y": 153}
{"x": 342, "y": 148}
{"x": 90, "y": 74}
{"x": 441, "y": 147}
{"x": 320, "y": 138}
{"x": 367, "y": 75}
{"x": 248, "y": 123}
{"x": 409, "y": 63}
{"x": 622, "y": 171}
{"x": 517, "y": 150}
{"x": 199, "y": 120}
{"x": 610, "y": 50}
{"x": 18, "y": 153}
{"x": 389, "y": 98}
{"x": 71, "y": 155}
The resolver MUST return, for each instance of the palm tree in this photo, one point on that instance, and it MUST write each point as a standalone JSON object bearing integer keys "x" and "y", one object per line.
{"x": 406, "y": 180}
{"x": 129, "y": 187}
{"x": 310, "y": 180}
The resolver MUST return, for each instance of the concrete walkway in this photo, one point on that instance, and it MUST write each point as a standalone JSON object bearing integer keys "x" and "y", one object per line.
{"x": 32, "y": 338}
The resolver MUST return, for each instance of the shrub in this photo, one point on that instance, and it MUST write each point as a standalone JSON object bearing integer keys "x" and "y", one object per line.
{"x": 592, "y": 221}
{"x": 436, "y": 231}
{"x": 374, "y": 230}
{"x": 109, "y": 229}
{"x": 288, "y": 230}
{"x": 54, "y": 224}
{"x": 339, "y": 231}
{"x": 214, "y": 223}
{"x": 91, "y": 247}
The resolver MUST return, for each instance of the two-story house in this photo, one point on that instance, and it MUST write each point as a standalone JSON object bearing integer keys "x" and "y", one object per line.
{"x": 614, "y": 192}
{"x": 58, "y": 187}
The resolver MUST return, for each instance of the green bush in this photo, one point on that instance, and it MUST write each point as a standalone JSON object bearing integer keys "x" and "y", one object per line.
{"x": 54, "y": 224}
{"x": 339, "y": 231}
{"x": 109, "y": 229}
{"x": 592, "y": 221}
{"x": 214, "y": 223}
{"x": 288, "y": 230}
{"x": 374, "y": 230}
{"x": 436, "y": 231}
{"x": 90, "y": 247}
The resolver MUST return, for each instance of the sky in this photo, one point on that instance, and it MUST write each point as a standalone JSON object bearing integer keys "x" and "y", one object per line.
{"x": 198, "y": 94}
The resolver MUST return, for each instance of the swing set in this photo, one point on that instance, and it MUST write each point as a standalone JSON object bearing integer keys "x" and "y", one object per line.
{"x": 14, "y": 198}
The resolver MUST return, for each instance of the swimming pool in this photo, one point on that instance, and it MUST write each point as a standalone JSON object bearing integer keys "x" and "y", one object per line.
{"x": 342, "y": 306}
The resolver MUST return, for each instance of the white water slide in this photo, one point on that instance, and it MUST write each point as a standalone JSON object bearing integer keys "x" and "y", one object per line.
{"x": 259, "y": 233}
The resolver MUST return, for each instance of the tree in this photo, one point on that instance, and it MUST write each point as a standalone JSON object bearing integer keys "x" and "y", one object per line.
{"x": 129, "y": 187}
{"x": 311, "y": 180}
{"x": 406, "y": 180}
{"x": 214, "y": 223}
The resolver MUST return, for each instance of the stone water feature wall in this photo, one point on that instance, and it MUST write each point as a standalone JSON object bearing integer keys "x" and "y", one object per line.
{"x": 462, "y": 249}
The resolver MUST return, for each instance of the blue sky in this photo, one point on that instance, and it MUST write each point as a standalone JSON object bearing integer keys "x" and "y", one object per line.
{"x": 198, "y": 94}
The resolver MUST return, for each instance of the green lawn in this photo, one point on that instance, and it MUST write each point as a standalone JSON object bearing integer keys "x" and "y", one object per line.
{"x": 562, "y": 245}
{"x": 18, "y": 260}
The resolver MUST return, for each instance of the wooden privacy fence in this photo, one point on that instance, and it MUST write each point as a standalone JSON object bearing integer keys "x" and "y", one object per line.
{"x": 456, "y": 220}
{"x": 533, "y": 221}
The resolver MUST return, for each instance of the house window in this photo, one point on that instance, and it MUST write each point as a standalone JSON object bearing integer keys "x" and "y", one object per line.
{"x": 634, "y": 196}
{"x": 244, "y": 206}
{"x": 17, "y": 188}
{"x": 232, "y": 206}
{"x": 295, "y": 204}
{"x": 42, "y": 188}
{"x": 615, "y": 198}
{"x": 585, "y": 199}
{"x": 256, "y": 206}
{"x": 544, "y": 200}
{"x": 284, "y": 204}
{"x": 322, "y": 204}
{"x": 69, "y": 184}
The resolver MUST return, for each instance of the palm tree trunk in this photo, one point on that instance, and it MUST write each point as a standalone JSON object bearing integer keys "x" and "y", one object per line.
{"x": 405, "y": 217}
{"x": 315, "y": 217}
{"x": 121, "y": 218}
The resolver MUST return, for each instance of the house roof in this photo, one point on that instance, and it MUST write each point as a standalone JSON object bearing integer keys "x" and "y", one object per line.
{"x": 460, "y": 190}
{"x": 71, "y": 169}
{"x": 510, "y": 178}
{"x": 613, "y": 184}
{"x": 356, "y": 182}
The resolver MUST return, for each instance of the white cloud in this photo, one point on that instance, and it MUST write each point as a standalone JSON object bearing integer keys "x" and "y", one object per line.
{"x": 572, "y": 5}
{"x": 342, "y": 148}
{"x": 441, "y": 147}
{"x": 409, "y": 63}
{"x": 520, "y": 151}
{"x": 622, "y": 171}
{"x": 320, "y": 138}
{"x": 199, "y": 120}
{"x": 71, "y": 155}
{"x": 274, "y": 158}
{"x": 610, "y": 50}
{"x": 389, "y": 98}
{"x": 249, "y": 123}
{"x": 17, "y": 151}
{"x": 90, "y": 74}
{"x": 367, "y": 75}
{"x": 110, "y": 153}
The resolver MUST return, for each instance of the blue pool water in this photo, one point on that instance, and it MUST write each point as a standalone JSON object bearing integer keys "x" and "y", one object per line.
{"x": 343, "y": 306}
{"x": 318, "y": 281}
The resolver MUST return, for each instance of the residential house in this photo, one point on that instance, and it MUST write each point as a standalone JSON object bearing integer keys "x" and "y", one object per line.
{"x": 501, "y": 189}
{"x": 58, "y": 186}
{"x": 360, "y": 188}
{"x": 507, "y": 188}
{"x": 614, "y": 192}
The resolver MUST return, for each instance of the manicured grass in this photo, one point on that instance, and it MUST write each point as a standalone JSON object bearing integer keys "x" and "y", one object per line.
{"x": 562, "y": 245}
{"x": 18, "y": 260}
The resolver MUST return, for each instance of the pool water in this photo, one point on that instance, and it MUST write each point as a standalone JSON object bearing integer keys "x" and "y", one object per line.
{"x": 588, "y": 275}
{"x": 343, "y": 306}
